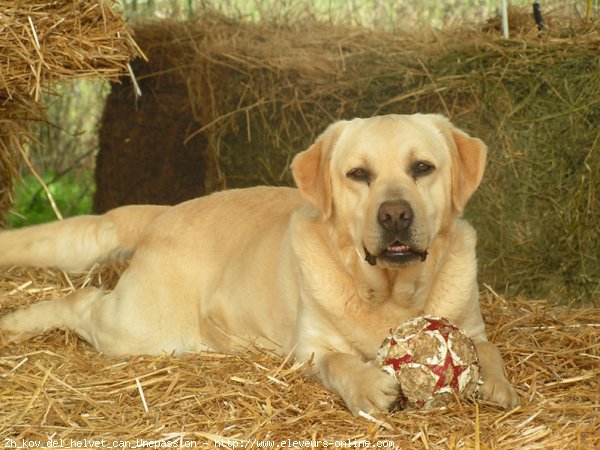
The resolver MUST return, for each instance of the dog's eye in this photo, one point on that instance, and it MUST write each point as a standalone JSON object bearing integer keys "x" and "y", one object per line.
{"x": 359, "y": 174}
{"x": 422, "y": 168}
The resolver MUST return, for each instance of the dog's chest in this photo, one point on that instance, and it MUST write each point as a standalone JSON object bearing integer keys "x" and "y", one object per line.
{"x": 366, "y": 323}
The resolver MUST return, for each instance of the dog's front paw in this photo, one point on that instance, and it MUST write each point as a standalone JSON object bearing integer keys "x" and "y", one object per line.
{"x": 363, "y": 386}
{"x": 498, "y": 390}
{"x": 372, "y": 391}
{"x": 495, "y": 388}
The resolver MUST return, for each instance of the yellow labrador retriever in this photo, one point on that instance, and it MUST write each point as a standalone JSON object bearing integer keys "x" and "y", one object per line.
{"x": 371, "y": 238}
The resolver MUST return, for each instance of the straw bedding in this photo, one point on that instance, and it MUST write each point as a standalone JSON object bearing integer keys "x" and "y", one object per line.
{"x": 56, "y": 387}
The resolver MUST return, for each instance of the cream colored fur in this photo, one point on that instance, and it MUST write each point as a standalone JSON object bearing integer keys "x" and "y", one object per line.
{"x": 282, "y": 267}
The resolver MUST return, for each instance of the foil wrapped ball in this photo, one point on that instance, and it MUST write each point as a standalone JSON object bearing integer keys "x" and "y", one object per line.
{"x": 432, "y": 360}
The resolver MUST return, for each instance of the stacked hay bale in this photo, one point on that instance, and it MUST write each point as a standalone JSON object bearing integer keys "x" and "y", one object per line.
{"x": 538, "y": 211}
{"x": 43, "y": 42}
{"x": 259, "y": 93}
{"x": 146, "y": 156}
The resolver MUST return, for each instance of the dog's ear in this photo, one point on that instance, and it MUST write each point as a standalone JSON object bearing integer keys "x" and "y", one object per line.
{"x": 311, "y": 170}
{"x": 468, "y": 156}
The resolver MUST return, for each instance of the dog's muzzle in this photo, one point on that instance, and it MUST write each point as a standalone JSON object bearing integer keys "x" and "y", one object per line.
{"x": 395, "y": 218}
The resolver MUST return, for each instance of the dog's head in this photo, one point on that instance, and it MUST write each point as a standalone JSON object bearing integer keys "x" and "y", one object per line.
{"x": 391, "y": 184}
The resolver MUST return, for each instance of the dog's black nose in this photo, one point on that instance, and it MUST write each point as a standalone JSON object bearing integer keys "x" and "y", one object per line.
{"x": 395, "y": 215}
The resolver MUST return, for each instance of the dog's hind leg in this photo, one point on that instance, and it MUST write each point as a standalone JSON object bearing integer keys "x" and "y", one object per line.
{"x": 78, "y": 242}
{"x": 100, "y": 318}
{"x": 129, "y": 320}
{"x": 72, "y": 311}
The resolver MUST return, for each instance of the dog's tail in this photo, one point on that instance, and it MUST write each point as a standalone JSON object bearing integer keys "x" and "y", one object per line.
{"x": 77, "y": 243}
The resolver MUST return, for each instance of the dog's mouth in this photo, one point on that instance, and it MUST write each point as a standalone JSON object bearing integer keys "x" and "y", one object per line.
{"x": 398, "y": 254}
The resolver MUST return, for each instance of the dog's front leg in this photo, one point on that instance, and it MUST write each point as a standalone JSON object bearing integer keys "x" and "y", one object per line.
{"x": 363, "y": 386}
{"x": 495, "y": 388}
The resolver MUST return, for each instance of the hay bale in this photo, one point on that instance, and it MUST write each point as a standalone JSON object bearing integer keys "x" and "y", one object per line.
{"x": 145, "y": 156}
{"x": 173, "y": 61}
{"x": 147, "y": 152}
{"x": 47, "y": 40}
{"x": 56, "y": 386}
{"x": 44, "y": 41}
{"x": 536, "y": 106}
{"x": 261, "y": 92}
